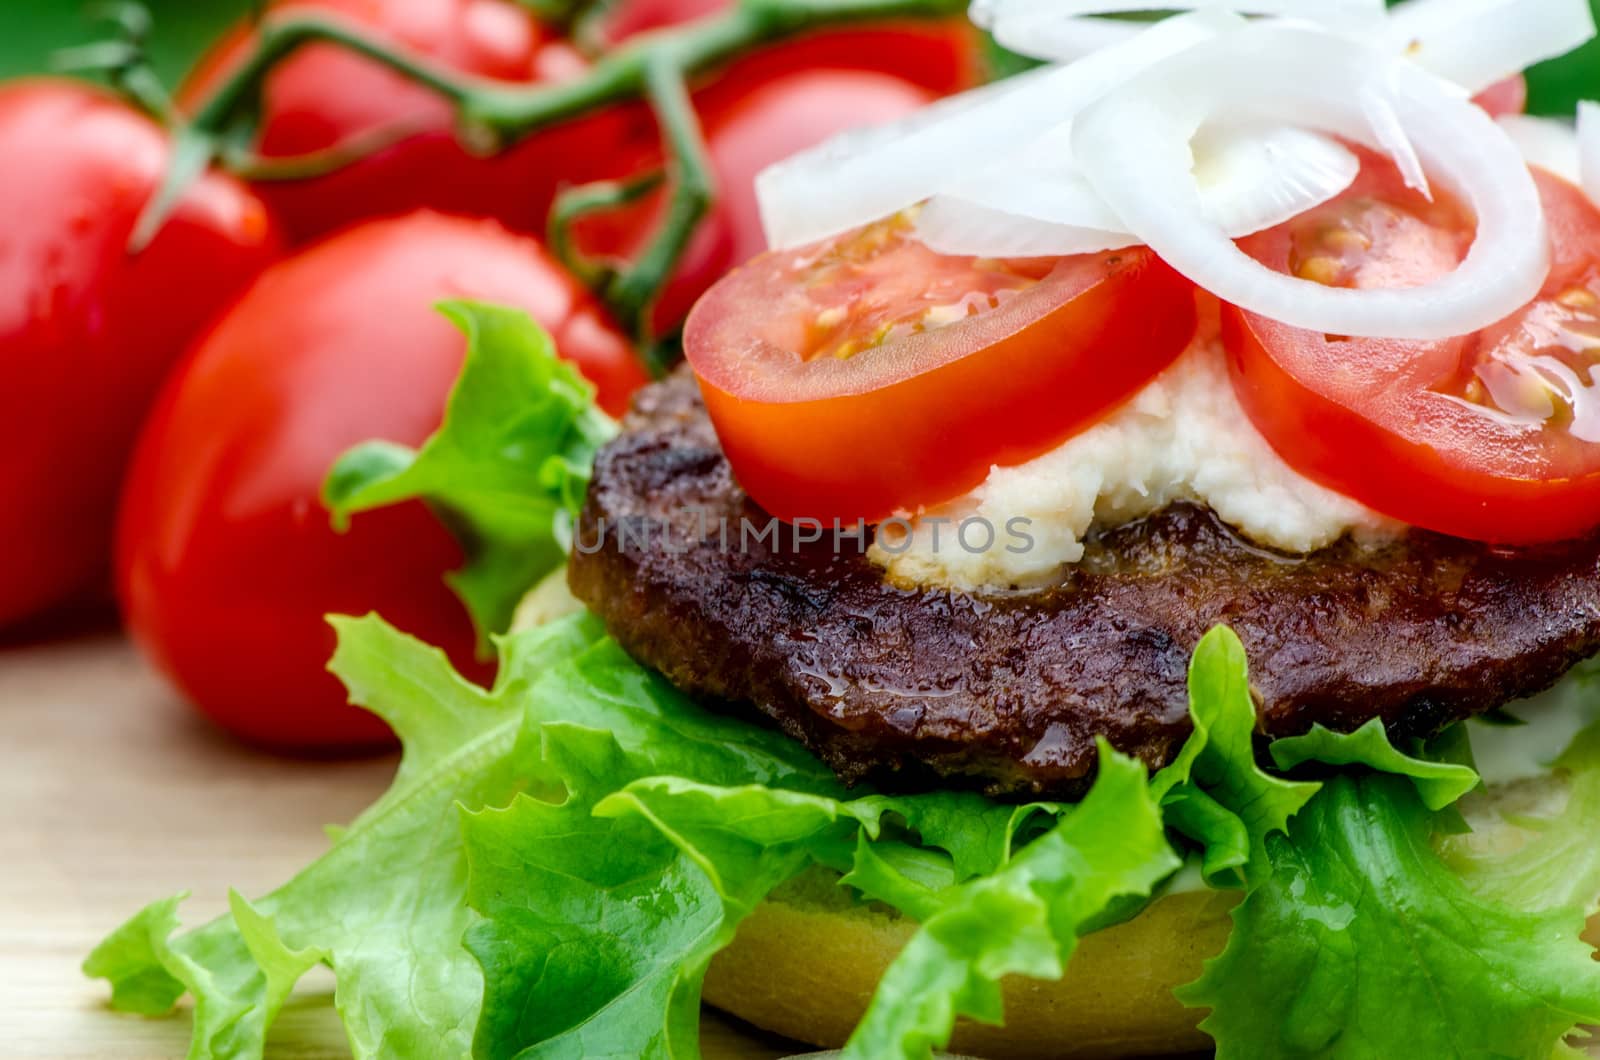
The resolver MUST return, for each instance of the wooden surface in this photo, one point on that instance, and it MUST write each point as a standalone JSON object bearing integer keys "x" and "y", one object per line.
{"x": 113, "y": 794}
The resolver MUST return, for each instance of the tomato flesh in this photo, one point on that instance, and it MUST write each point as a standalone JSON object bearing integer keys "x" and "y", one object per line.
{"x": 1490, "y": 436}
{"x": 868, "y": 375}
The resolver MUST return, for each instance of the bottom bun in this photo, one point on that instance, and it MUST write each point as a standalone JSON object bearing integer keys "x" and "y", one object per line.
{"x": 806, "y": 962}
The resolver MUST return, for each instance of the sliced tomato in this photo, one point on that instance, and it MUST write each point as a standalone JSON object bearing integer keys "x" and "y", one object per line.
{"x": 1493, "y": 436}
{"x": 868, "y": 375}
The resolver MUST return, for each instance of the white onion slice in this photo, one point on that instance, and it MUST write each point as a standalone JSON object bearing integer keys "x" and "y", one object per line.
{"x": 1042, "y": 181}
{"x": 1133, "y": 146}
{"x": 950, "y": 225}
{"x": 1065, "y": 30}
{"x": 1548, "y": 143}
{"x": 1471, "y": 42}
{"x": 1478, "y": 42}
{"x": 1391, "y": 137}
{"x": 1589, "y": 149}
{"x": 864, "y": 176}
{"x": 1063, "y": 40}
{"x": 1250, "y": 178}
{"x": 986, "y": 13}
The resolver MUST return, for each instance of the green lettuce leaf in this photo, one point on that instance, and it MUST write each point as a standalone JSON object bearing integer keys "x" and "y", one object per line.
{"x": 386, "y": 905}
{"x": 1440, "y": 783}
{"x": 1024, "y": 918}
{"x": 551, "y": 907}
{"x": 602, "y": 912}
{"x": 595, "y": 930}
{"x": 898, "y": 849}
{"x": 1559, "y": 865}
{"x": 506, "y": 471}
{"x": 600, "y": 918}
{"x": 911, "y": 878}
{"x": 1362, "y": 943}
{"x": 1214, "y": 792}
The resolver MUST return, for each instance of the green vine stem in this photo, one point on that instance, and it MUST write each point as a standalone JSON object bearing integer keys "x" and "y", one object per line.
{"x": 575, "y": 203}
{"x": 655, "y": 67}
{"x": 122, "y": 60}
{"x": 632, "y": 292}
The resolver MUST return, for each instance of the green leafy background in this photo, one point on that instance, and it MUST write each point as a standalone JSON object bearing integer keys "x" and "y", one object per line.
{"x": 30, "y": 30}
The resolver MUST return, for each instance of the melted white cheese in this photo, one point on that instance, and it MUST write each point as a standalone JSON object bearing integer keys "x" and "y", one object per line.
{"x": 1184, "y": 437}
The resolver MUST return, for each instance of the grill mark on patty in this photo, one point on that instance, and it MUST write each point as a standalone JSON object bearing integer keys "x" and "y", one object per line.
{"x": 1007, "y": 690}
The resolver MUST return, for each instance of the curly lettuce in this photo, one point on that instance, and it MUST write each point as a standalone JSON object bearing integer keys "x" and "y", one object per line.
{"x": 562, "y": 854}
{"x": 1363, "y": 943}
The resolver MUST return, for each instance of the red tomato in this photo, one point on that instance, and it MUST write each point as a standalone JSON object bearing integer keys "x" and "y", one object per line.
{"x": 226, "y": 562}
{"x": 325, "y": 97}
{"x": 867, "y": 374}
{"x": 1493, "y": 436}
{"x": 87, "y": 331}
{"x": 633, "y": 17}
{"x": 771, "y": 122}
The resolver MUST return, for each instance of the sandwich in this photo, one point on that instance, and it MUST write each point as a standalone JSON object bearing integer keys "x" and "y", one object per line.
{"x": 1119, "y": 577}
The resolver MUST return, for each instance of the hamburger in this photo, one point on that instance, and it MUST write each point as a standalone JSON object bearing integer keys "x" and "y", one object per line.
{"x": 1246, "y": 369}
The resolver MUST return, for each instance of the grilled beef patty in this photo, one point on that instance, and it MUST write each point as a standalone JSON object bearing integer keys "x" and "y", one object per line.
{"x": 1007, "y": 690}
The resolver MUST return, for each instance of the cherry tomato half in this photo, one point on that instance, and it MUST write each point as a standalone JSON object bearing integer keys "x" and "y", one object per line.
{"x": 1493, "y": 436}
{"x": 87, "y": 330}
{"x": 867, "y": 375}
{"x": 226, "y": 562}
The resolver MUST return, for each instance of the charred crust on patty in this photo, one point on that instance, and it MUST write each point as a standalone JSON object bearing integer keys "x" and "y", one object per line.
{"x": 1006, "y": 691}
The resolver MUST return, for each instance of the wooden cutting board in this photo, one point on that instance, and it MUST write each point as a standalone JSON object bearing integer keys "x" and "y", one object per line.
{"x": 112, "y": 794}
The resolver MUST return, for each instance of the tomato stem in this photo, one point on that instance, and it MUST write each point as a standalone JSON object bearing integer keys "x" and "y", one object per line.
{"x": 123, "y": 60}
{"x": 572, "y": 204}
{"x": 247, "y": 163}
{"x": 632, "y": 293}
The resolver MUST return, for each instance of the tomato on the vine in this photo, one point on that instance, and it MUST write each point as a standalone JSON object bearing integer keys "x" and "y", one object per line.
{"x": 1493, "y": 436}
{"x": 326, "y": 99}
{"x": 867, "y": 374}
{"x": 770, "y": 122}
{"x": 88, "y": 329}
{"x": 226, "y": 562}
